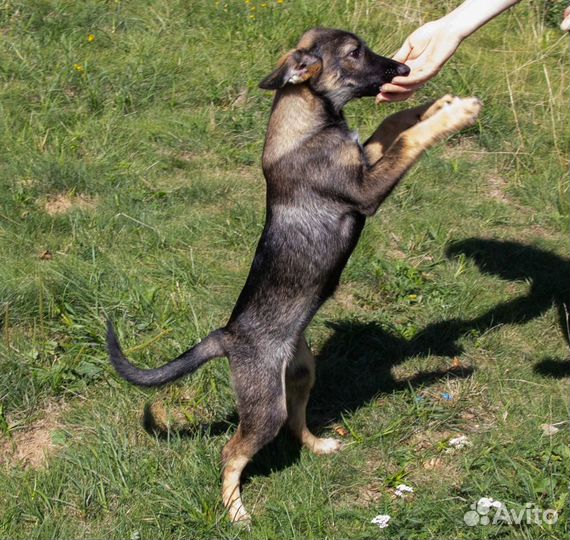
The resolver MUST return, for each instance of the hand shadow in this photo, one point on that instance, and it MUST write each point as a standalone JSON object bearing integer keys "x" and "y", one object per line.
{"x": 356, "y": 361}
{"x": 553, "y": 367}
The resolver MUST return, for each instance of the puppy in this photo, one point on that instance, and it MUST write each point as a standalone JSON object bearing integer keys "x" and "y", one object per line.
{"x": 322, "y": 184}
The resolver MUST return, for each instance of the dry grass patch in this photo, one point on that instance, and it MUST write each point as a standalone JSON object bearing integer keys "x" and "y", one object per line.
{"x": 63, "y": 203}
{"x": 496, "y": 188}
{"x": 177, "y": 411}
{"x": 465, "y": 148}
{"x": 370, "y": 494}
{"x": 429, "y": 439}
{"x": 31, "y": 445}
{"x": 436, "y": 472}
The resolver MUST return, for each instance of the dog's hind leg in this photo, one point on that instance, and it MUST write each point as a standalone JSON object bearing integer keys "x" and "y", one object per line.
{"x": 236, "y": 455}
{"x": 260, "y": 391}
{"x": 299, "y": 379}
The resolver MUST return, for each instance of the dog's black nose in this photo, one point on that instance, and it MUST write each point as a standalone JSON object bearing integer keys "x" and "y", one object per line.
{"x": 403, "y": 70}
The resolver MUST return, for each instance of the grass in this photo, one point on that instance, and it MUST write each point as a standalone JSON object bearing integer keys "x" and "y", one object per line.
{"x": 131, "y": 188}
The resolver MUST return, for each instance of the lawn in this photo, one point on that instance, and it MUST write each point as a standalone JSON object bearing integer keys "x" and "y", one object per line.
{"x": 131, "y": 187}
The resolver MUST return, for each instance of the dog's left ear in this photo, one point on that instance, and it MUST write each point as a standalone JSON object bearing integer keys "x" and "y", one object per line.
{"x": 295, "y": 67}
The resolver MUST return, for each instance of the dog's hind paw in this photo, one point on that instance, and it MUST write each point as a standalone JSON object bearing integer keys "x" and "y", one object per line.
{"x": 325, "y": 446}
{"x": 238, "y": 514}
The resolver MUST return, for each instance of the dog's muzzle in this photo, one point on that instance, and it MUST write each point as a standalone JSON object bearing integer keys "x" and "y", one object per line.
{"x": 396, "y": 70}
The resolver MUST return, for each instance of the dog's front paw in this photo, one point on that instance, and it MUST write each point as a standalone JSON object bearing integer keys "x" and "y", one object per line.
{"x": 460, "y": 113}
{"x": 451, "y": 114}
{"x": 436, "y": 106}
{"x": 468, "y": 110}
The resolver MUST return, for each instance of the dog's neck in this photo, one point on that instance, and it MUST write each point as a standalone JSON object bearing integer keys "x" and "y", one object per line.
{"x": 297, "y": 114}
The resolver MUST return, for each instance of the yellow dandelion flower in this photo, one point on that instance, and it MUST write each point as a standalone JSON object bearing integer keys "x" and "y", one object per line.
{"x": 248, "y": 1}
{"x": 280, "y": 1}
{"x": 253, "y": 8}
{"x": 262, "y": 5}
{"x": 91, "y": 38}
{"x": 252, "y": 16}
{"x": 79, "y": 68}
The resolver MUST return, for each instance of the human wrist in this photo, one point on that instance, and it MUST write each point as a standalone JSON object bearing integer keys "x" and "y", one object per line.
{"x": 452, "y": 26}
{"x": 457, "y": 25}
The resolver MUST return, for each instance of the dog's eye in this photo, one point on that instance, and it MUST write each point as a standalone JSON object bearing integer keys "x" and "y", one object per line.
{"x": 355, "y": 53}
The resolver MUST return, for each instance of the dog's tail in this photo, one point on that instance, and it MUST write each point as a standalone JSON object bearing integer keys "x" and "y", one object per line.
{"x": 188, "y": 362}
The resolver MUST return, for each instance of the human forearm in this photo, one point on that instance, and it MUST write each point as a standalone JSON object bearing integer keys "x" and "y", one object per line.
{"x": 472, "y": 14}
{"x": 566, "y": 21}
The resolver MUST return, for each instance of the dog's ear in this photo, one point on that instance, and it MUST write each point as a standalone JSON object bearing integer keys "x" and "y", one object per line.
{"x": 295, "y": 67}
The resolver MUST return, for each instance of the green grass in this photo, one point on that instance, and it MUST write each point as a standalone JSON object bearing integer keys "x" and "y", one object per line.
{"x": 153, "y": 131}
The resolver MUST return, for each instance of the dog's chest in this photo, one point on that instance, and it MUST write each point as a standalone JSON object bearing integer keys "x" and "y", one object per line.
{"x": 317, "y": 225}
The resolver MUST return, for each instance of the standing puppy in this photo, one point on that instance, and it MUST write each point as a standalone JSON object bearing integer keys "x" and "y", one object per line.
{"x": 322, "y": 184}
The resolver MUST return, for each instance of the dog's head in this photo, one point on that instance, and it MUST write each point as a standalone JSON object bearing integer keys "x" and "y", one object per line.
{"x": 336, "y": 64}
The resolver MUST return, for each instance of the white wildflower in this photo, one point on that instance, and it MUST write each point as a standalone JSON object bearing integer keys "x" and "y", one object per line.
{"x": 402, "y": 490}
{"x": 382, "y": 521}
{"x": 484, "y": 504}
{"x": 459, "y": 442}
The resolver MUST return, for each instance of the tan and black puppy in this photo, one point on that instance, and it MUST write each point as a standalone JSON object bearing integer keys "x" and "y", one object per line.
{"x": 322, "y": 184}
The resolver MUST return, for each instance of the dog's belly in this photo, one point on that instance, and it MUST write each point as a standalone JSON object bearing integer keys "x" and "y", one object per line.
{"x": 297, "y": 265}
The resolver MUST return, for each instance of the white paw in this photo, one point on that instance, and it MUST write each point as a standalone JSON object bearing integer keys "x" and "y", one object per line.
{"x": 462, "y": 112}
{"x": 326, "y": 446}
{"x": 238, "y": 514}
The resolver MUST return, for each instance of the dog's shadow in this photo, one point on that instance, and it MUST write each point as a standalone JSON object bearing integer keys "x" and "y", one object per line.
{"x": 355, "y": 364}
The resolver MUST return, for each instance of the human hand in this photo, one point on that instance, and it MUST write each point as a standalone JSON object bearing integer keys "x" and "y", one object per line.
{"x": 566, "y": 22}
{"x": 425, "y": 52}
